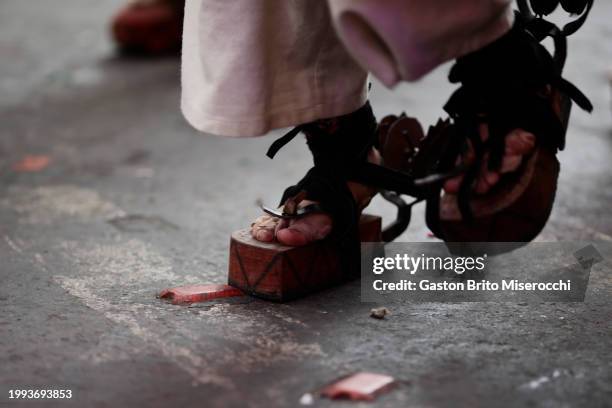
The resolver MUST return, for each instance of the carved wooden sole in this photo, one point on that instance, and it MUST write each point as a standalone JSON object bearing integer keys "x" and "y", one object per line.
{"x": 280, "y": 273}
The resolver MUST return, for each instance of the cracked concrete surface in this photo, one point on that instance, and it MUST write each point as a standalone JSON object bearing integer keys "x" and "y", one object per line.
{"x": 134, "y": 201}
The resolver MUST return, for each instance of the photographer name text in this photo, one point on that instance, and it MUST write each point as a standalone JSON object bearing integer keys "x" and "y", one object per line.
{"x": 471, "y": 285}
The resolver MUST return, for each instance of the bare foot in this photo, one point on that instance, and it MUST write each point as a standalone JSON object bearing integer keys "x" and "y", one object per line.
{"x": 311, "y": 227}
{"x": 518, "y": 144}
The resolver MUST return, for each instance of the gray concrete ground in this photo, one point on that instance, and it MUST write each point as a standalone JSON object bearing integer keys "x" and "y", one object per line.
{"x": 77, "y": 299}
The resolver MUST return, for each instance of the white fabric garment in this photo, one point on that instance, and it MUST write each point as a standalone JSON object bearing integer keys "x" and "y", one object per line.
{"x": 249, "y": 66}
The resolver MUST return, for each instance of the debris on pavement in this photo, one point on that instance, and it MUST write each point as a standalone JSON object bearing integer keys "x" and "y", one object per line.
{"x": 538, "y": 382}
{"x": 379, "y": 312}
{"x": 362, "y": 386}
{"x": 199, "y": 293}
{"x": 32, "y": 163}
{"x": 307, "y": 399}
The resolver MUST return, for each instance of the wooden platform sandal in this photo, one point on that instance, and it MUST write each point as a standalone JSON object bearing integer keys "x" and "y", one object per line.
{"x": 511, "y": 84}
{"x": 277, "y": 272}
{"x": 149, "y": 27}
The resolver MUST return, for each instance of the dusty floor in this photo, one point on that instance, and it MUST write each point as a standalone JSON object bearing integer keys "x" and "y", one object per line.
{"x": 77, "y": 299}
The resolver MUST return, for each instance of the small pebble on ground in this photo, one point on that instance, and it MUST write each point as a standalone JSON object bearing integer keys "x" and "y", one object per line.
{"x": 379, "y": 312}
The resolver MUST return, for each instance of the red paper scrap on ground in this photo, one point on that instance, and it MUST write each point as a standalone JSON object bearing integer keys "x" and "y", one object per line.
{"x": 199, "y": 293}
{"x": 361, "y": 386}
{"x": 32, "y": 163}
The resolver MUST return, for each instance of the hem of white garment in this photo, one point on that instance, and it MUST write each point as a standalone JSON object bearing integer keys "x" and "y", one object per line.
{"x": 259, "y": 126}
